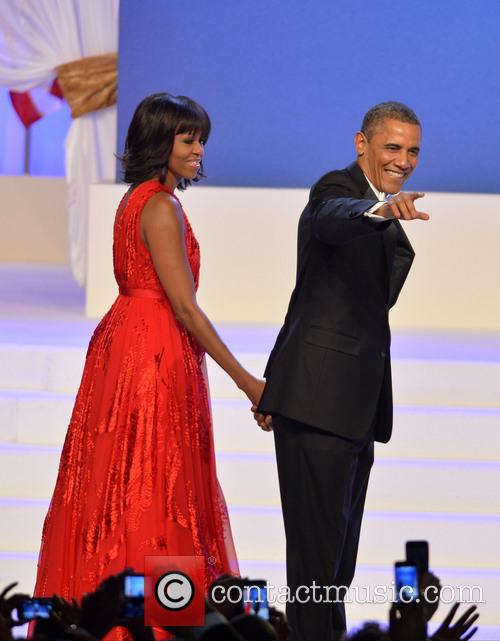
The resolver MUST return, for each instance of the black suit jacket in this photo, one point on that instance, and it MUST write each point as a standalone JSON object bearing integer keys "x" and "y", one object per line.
{"x": 330, "y": 366}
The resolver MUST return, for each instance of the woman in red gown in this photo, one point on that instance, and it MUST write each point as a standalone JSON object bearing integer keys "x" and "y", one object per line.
{"x": 137, "y": 473}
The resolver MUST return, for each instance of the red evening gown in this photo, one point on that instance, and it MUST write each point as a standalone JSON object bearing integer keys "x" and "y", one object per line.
{"x": 137, "y": 473}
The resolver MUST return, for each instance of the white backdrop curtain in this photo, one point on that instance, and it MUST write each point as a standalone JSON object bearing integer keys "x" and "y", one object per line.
{"x": 35, "y": 37}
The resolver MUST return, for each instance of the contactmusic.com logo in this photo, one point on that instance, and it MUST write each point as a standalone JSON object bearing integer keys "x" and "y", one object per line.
{"x": 174, "y": 591}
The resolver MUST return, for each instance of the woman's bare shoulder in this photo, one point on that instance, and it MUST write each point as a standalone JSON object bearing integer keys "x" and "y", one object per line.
{"x": 162, "y": 209}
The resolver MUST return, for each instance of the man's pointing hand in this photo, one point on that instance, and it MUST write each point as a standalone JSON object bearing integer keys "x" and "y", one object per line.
{"x": 402, "y": 206}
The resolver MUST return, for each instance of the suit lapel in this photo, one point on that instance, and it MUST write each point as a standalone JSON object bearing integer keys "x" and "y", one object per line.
{"x": 398, "y": 251}
{"x": 402, "y": 259}
{"x": 389, "y": 236}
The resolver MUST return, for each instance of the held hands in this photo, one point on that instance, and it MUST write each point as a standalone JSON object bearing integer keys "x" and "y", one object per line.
{"x": 100, "y": 610}
{"x": 254, "y": 388}
{"x": 264, "y": 422}
{"x": 402, "y": 206}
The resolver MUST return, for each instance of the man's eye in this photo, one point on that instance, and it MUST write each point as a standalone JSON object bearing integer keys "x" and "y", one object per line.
{"x": 188, "y": 141}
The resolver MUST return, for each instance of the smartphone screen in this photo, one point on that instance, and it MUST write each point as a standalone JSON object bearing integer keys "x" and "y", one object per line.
{"x": 134, "y": 586}
{"x": 36, "y": 609}
{"x": 406, "y": 582}
{"x": 133, "y": 591}
{"x": 255, "y": 600}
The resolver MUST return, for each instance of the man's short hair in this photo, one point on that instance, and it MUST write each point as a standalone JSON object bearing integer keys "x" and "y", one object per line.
{"x": 394, "y": 110}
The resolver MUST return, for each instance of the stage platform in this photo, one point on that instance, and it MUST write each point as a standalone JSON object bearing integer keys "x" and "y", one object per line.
{"x": 438, "y": 479}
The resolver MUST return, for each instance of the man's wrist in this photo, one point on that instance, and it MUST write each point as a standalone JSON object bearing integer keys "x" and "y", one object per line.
{"x": 376, "y": 213}
{"x": 381, "y": 214}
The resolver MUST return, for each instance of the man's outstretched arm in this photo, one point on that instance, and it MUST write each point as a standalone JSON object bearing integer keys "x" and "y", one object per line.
{"x": 339, "y": 219}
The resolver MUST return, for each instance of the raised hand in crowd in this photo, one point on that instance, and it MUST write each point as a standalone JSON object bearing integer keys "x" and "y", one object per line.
{"x": 9, "y": 604}
{"x": 63, "y": 622}
{"x": 219, "y": 593}
{"x": 462, "y": 629}
{"x": 407, "y": 622}
{"x": 101, "y": 609}
{"x": 5, "y": 632}
{"x": 278, "y": 620}
{"x": 65, "y": 613}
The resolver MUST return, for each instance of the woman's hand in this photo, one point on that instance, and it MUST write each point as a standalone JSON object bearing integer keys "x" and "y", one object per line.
{"x": 263, "y": 421}
{"x": 253, "y": 388}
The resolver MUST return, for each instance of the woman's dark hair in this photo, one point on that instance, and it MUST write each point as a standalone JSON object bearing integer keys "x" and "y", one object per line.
{"x": 151, "y": 133}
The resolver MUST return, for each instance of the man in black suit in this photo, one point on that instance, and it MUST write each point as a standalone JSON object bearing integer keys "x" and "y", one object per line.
{"x": 328, "y": 386}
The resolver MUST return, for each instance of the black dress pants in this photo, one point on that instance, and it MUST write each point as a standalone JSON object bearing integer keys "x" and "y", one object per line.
{"x": 323, "y": 480}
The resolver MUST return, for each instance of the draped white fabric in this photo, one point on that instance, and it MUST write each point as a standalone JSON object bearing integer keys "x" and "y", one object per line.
{"x": 35, "y": 37}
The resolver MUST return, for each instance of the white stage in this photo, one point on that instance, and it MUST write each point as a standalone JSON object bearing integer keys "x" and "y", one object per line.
{"x": 438, "y": 479}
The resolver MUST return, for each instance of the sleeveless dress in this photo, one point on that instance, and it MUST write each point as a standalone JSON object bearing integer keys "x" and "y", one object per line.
{"x": 137, "y": 472}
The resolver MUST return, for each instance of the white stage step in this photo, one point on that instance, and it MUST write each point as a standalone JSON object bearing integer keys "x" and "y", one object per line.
{"x": 437, "y": 479}
{"x": 448, "y": 486}
{"x": 416, "y": 381}
{"x": 405, "y": 484}
{"x": 38, "y": 417}
{"x": 383, "y": 532}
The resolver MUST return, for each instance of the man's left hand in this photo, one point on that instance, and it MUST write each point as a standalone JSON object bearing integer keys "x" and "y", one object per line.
{"x": 263, "y": 421}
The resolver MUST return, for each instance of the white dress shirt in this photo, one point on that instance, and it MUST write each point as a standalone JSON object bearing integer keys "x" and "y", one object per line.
{"x": 381, "y": 197}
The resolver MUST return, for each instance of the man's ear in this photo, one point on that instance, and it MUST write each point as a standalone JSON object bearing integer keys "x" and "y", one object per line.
{"x": 360, "y": 143}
